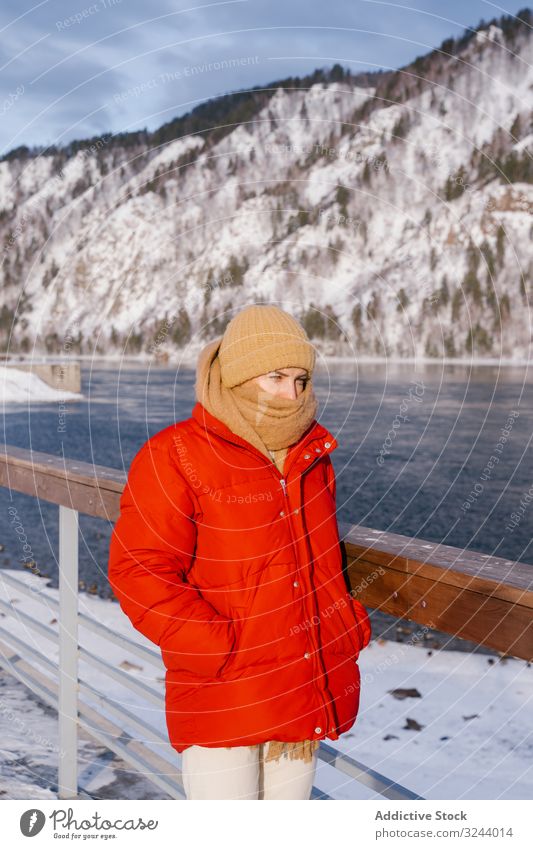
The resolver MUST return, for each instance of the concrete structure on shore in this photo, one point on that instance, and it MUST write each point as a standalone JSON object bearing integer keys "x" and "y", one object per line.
{"x": 62, "y": 375}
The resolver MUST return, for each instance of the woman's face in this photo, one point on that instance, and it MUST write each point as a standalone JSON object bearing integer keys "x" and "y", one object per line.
{"x": 286, "y": 382}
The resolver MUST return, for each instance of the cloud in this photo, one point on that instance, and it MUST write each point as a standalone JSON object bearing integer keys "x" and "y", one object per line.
{"x": 74, "y": 61}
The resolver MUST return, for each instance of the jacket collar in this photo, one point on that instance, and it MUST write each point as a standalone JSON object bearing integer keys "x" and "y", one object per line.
{"x": 316, "y": 439}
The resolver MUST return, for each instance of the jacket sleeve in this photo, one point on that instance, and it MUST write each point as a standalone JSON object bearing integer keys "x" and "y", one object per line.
{"x": 330, "y": 477}
{"x": 151, "y": 550}
{"x": 364, "y": 627}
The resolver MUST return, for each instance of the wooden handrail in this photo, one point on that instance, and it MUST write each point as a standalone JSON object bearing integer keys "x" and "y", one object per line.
{"x": 478, "y": 597}
{"x": 90, "y": 489}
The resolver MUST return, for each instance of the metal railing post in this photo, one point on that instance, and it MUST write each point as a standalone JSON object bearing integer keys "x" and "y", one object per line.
{"x": 68, "y": 654}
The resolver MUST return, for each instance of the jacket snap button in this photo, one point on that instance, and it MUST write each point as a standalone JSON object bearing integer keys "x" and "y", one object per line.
{"x": 282, "y": 512}
{"x": 307, "y": 655}
{"x": 327, "y": 444}
{"x": 296, "y": 584}
{"x": 296, "y": 510}
{"x": 318, "y": 729}
{"x": 306, "y": 456}
{"x": 317, "y": 450}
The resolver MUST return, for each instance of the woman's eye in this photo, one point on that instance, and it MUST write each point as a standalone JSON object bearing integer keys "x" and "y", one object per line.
{"x": 302, "y": 381}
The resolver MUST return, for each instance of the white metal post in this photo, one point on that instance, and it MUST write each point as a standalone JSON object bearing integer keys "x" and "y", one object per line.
{"x": 68, "y": 653}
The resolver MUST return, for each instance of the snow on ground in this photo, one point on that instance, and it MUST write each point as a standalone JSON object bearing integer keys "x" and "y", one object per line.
{"x": 22, "y": 386}
{"x": 462, "y": 730}
{"x": 476, "y": 737}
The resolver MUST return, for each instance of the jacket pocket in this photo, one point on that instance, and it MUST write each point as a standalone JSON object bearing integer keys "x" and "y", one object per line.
{"x": 231, "y": 587}
{"x": 345, "y": 625}
{"x": 200, "y": 648}
{"x": 233, "y": 658}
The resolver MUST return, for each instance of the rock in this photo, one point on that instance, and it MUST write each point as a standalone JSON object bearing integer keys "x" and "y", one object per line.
{"x": 405, "y": 693}
{"x": 412, "y": 724}
{"x": 126, "y": 664}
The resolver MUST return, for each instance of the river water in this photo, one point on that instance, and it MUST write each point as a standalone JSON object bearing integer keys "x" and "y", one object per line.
{"x": 444, "y": 454}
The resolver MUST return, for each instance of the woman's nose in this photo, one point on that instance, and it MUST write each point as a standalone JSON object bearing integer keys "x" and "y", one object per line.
{"x": 290, "y": 392}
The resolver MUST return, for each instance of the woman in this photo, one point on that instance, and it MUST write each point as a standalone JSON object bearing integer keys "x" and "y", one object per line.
{"x": 226, "y": 554}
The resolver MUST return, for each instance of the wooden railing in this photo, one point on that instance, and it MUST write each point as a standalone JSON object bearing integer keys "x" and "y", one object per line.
{"x": 478, "y": 597}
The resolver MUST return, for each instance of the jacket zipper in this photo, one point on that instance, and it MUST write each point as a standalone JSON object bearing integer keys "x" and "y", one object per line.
{"x": 330, "y": 719}
{"x": 284, "y": 488}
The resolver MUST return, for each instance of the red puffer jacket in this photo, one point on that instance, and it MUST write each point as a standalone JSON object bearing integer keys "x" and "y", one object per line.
{"x": 236, "y": 573}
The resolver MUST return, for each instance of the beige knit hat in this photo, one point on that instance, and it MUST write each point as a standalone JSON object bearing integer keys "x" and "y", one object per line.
{"x": 259, "y": 339}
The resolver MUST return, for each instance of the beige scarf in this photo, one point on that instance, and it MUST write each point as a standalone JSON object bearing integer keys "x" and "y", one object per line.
{"x": 272, "y": 424}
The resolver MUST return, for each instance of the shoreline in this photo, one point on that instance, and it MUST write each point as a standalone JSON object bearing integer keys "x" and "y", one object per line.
{"x": 190, "y": 360}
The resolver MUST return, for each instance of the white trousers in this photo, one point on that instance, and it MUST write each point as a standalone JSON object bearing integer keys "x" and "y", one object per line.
{"x": 242, "y": 773}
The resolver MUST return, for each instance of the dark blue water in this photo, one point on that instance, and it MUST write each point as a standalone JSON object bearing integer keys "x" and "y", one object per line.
{"x": 443, "y": 432}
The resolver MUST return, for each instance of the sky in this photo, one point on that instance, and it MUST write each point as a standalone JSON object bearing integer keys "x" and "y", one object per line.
{"x": 73, "y": 70}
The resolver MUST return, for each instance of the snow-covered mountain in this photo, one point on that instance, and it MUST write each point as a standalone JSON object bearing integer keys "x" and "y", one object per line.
{"x": 390, "y": 211}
